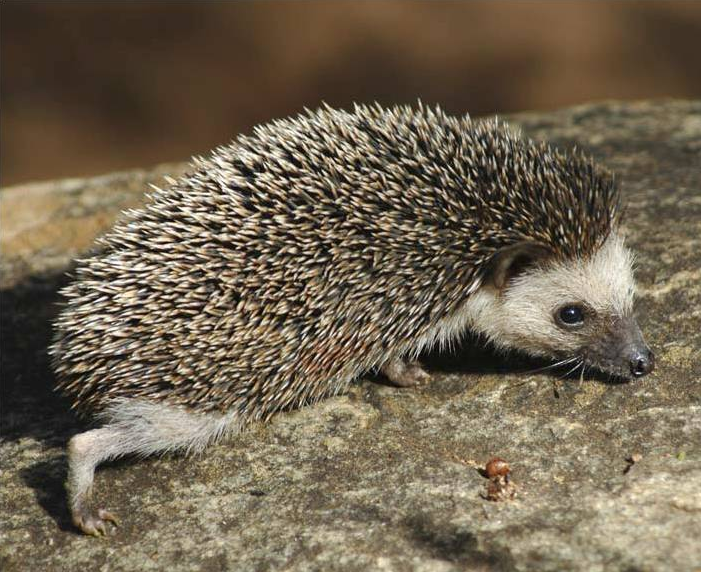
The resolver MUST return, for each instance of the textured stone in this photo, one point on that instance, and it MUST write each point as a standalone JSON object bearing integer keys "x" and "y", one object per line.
{"x": 386, "y": 478}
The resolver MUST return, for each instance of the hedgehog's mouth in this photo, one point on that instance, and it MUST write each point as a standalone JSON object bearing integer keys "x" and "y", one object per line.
{"x": 582, "y": 366}
{"x": 640, "y": 363}
{"x": 608, "y": 370}
{"x": 614, "y": 362}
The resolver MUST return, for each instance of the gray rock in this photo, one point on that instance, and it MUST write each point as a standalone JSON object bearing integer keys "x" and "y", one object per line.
{"x": 385, "y": 478}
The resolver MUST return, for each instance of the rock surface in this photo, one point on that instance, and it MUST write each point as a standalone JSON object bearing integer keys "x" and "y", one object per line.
{"x": 386, "y": 478}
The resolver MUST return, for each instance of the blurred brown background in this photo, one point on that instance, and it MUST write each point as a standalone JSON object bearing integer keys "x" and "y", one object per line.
{"x": 90, "y": 87}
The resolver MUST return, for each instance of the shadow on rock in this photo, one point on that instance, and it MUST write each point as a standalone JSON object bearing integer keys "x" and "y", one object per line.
{"x": 30, "y": 407}
{"x": 447, "y": 542}
{"x": 473, "y": 355}
{"x": 46, "y": 479}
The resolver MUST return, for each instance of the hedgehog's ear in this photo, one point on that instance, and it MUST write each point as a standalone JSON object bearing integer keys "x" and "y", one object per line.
{"x": 511, "y": 261}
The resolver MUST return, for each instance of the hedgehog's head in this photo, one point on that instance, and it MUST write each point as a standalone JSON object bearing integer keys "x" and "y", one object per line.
{"x": 574, "y": 310}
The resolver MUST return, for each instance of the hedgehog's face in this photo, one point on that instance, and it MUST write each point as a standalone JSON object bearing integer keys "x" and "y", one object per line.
{"x": 580, "y": 311}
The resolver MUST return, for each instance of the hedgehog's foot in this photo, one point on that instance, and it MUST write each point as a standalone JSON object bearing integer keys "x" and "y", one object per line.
{"x": 405, "y": 374}
{"x": 93, "y": 522}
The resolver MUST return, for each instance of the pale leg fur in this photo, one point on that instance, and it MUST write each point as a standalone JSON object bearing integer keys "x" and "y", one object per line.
{"x": 134, "y": 427}
{"x": 403, "y": 373}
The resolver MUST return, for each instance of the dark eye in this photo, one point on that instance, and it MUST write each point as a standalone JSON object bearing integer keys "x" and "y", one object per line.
{"x": 571, "y": 315}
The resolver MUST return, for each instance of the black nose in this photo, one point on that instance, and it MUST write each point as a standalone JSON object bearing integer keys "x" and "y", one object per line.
{"x": 642, "y": 363}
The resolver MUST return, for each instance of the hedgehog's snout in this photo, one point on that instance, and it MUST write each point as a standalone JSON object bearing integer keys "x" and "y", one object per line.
{"x": 642, "y": 361}
{"x": 619, "y": 348}
{"x": 629, "y": 349}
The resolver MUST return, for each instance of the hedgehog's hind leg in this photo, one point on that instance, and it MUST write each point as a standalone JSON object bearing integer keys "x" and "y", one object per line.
{"x": 134, "y": 426}
{"x": 403, "y": 373}
{"x": 85, "y": 452}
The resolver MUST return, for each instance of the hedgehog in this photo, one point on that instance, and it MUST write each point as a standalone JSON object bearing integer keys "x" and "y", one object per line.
{"x": 287, "y": 264}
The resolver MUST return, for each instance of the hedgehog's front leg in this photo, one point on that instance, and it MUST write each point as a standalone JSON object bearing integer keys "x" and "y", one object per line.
{"x": 405, "y": 374}
{"x": 85, "y": 452}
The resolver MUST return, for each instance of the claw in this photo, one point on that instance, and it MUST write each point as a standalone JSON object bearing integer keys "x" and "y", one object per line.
{"x": 107, "y": 515}
{"x": 95, "y": 525}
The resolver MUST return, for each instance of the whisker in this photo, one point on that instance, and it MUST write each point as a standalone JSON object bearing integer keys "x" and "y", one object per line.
{"x": 579, "y": 363}
{"x": 552, "y": 365}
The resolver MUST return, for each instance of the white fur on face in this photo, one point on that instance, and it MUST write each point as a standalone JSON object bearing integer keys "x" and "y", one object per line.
{"x": 521, "y": 316}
